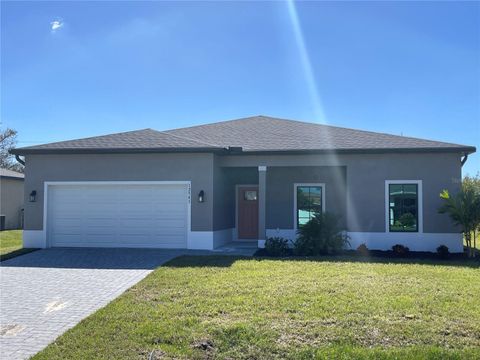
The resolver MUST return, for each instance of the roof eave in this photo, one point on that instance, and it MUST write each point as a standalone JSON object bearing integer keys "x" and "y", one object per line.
{"x": 463, "y": 150}
{"x": 12, "y": 177}
{"x": 26, "y": 151}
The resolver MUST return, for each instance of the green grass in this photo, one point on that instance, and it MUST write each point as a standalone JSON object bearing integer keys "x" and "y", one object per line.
{"x": 11, "y": 244}
{"x": 287, "y": 309}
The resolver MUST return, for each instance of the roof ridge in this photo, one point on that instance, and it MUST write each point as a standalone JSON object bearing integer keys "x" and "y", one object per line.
{"x": 311, "y": 123}
{"x": 274, "y": 133}
{"x": 218, "y": 122}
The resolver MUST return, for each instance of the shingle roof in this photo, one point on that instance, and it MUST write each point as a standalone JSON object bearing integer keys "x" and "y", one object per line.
{"x": 146, "y": 139}
{"x": 253, "y": 134}
{"x": 11, "y": 174}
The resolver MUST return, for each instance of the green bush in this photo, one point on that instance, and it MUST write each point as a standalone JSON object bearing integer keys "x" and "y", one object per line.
{"x": 400, "y": 250}
{"x": 321, "y": 235}
{"x": 276, "y": 246}
{"x": 443, "y": 252}
{"x": 362, "y": 249}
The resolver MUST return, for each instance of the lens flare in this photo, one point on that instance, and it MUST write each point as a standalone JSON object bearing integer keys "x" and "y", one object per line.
{"x": 319, "y": 113}
{"x": 306, "y": 63}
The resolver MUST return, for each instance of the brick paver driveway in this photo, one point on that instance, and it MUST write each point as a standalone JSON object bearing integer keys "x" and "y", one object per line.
{"x": 44, "y": 293}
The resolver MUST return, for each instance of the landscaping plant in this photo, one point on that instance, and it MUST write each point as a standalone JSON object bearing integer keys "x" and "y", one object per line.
{"x": 321, "y": 235}
{"x": 464, "y": 209}
{"x": 362, "y": 249}
{"x": 276, "y": 246}
{"x": 400, "y": 250}
{"x": 443, "y": 252}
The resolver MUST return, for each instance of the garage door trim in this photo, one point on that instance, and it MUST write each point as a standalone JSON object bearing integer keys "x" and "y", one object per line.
{"x": 47, "y": 184}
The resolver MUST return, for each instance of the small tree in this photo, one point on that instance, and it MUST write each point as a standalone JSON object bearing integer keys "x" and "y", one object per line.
{"x": 464, "y": 209}
{"x": 8, "y": 141}
{"x": 472, "y": 183}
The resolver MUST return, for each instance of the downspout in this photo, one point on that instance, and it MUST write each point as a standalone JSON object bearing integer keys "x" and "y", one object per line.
{"x": 19, "y": 159}
{"x": 464, "y": 160}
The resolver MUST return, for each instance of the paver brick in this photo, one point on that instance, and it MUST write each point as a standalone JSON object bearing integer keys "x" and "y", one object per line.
{"x": 44, "y": 293}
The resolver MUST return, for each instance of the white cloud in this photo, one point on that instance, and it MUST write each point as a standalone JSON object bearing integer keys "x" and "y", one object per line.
{"x": 55, "y": 25}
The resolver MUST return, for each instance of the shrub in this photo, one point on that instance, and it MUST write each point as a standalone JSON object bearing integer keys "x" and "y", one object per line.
{"x": 400, "y": 250}
{"x": 443, "y": 252}
{"x": 362, "y": 249}
{"x": 321, "y": 235}
{"x": 276, "y": 246}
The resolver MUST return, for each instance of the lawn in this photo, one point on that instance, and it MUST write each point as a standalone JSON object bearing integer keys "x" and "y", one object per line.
{"x": 239, "y": 308}
{"x": 11, "y": 244}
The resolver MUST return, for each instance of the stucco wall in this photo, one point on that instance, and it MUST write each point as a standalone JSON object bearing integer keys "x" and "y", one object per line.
{"x": 197, "y": 168}
{"x": 362, "y": 206}
{"x": 280, "y": 192}
{"x": 365, "y": 179}
{"x": 11, "y": 201}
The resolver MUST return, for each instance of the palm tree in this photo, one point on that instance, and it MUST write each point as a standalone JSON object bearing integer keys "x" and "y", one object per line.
{"x": 464, "y": 209}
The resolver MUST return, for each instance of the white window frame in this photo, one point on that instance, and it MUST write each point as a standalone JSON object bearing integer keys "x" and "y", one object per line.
{"x": 295, "y": 186}
{"x": 419, "y": 201}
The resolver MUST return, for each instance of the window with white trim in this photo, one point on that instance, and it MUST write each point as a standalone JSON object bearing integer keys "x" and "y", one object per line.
{"x": 403, "y": 207}
{"x": 309, "y": 202}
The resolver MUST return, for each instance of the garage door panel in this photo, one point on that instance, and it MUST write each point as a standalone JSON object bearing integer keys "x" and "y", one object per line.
{"x": 67, "y": 238}
{"x": 136, "y": 214}
{"x": 118, "y": 215}
{"x": 66, "y": 210}
{"x": 168, "y": 207}
{"x": 99, "y": 230}
{"x": 67, "y": 222}
{"x": 135, "y": 223}
{"x": 169, "y": 223}
{"x": 161, "y": 240}
{"x": 93, "y": 239}
{"x": 100, "y": 221}
{"x": 70, "y": 230}
{"x": 135, "y": 230}
{"x": 168, "y": 213}
{"x": 134, "y": 197}
{"x": 97, "y": 209}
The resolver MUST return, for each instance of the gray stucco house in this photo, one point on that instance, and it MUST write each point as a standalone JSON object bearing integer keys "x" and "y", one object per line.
{"x": 11, "y": 199}
{"x": 203, "y": 186}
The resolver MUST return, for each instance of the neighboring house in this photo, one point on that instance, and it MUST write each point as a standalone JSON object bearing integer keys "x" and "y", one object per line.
{"x": 203, "y": 186}
{"x": 11, "y": 199}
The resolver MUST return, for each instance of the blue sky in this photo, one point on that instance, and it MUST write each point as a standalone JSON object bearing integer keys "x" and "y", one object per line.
{"x": 397, "y": 67}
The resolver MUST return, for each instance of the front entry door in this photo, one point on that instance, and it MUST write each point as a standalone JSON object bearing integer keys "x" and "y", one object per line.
{"x": 247, "y": 212}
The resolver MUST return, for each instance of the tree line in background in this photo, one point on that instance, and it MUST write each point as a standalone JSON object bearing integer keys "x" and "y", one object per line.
{"x": 464, "y": 209}
{"x": 8, "y": 141}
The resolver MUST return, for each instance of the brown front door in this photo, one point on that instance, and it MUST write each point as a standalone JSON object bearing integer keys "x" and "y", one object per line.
{"x": 247, "y": 212}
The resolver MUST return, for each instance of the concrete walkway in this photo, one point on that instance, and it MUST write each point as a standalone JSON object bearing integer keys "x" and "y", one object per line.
{"x": 44, "y": 293}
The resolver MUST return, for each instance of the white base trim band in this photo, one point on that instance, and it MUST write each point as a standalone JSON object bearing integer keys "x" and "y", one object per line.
{"x": 208, "y": 240}
{"x": 414, "y": 241}
{"x": 385, "y": 241}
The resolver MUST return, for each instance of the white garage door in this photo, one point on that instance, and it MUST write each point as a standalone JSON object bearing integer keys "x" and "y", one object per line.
{"x": 120, "y": 215}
